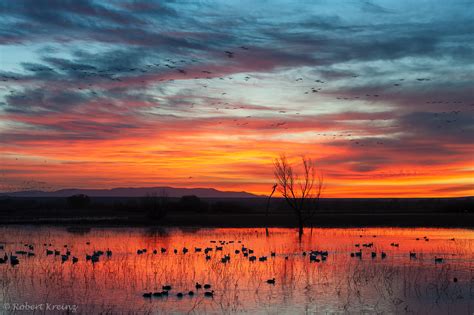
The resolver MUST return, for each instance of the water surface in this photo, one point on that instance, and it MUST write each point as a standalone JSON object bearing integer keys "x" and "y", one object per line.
{"x": 339, "y": 284}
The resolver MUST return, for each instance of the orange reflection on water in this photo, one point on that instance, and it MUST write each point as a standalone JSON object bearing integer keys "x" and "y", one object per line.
{"x": 339, "y": 284}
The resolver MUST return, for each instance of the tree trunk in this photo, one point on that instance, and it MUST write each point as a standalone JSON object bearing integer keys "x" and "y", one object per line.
{"x": 300, "y": 226}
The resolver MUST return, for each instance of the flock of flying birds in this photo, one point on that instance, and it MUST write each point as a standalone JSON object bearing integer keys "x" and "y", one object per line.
{"x": 85, "y": 78}
{"x": 81, "y": 72}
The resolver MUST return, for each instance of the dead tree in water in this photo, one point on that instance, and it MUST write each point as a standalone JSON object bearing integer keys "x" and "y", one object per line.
{"x": 268, "y": 206}
{"x": 301, "y": 192}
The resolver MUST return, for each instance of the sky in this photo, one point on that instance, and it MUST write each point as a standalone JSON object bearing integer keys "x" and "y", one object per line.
{"x": 103, "y": 94}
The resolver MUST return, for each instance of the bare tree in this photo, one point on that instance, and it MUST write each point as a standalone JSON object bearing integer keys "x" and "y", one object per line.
{"x": 301, "y": 192}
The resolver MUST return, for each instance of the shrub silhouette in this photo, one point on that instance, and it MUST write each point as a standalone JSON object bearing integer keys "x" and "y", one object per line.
{"x": 78, "y": 201}
{"x": 155, "y": 206}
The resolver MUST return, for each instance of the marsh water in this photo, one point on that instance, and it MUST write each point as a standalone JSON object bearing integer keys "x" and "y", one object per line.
{"x": 438, "y": 278}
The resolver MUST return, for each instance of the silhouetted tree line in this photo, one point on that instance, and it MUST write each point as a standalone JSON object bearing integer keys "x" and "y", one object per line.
{"x": 159, "y": 206}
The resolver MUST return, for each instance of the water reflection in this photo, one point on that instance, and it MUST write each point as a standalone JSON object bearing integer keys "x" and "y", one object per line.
{"x": 340, "y": 283}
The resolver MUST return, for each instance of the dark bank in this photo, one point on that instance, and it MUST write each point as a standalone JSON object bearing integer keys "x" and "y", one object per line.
{"x": 235, "y": 212}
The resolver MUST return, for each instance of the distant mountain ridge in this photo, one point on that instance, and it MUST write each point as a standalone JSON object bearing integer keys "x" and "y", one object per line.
{"x": 135, "y": 192}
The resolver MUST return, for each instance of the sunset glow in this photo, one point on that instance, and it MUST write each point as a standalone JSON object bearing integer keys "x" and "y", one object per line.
{"x": 197, "y": 94}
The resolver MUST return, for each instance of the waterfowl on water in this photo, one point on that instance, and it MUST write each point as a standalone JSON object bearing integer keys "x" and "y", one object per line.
{"x": 14, "y": 260}
{"x": 198, "y": 286}
{"x": 271, "y": 281}
{"x": 207, "y": 286}
{"x": 209, "y": 294}
{"x": 147, "y": 295}
{"x": 412, "y": 255}
{"x": 190, "y": 293}
{"x": 438, "y": 260}
{"x": 179, "y": 294}
{"x": 166, "y": 287}
{"x": 383, "y": 255}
